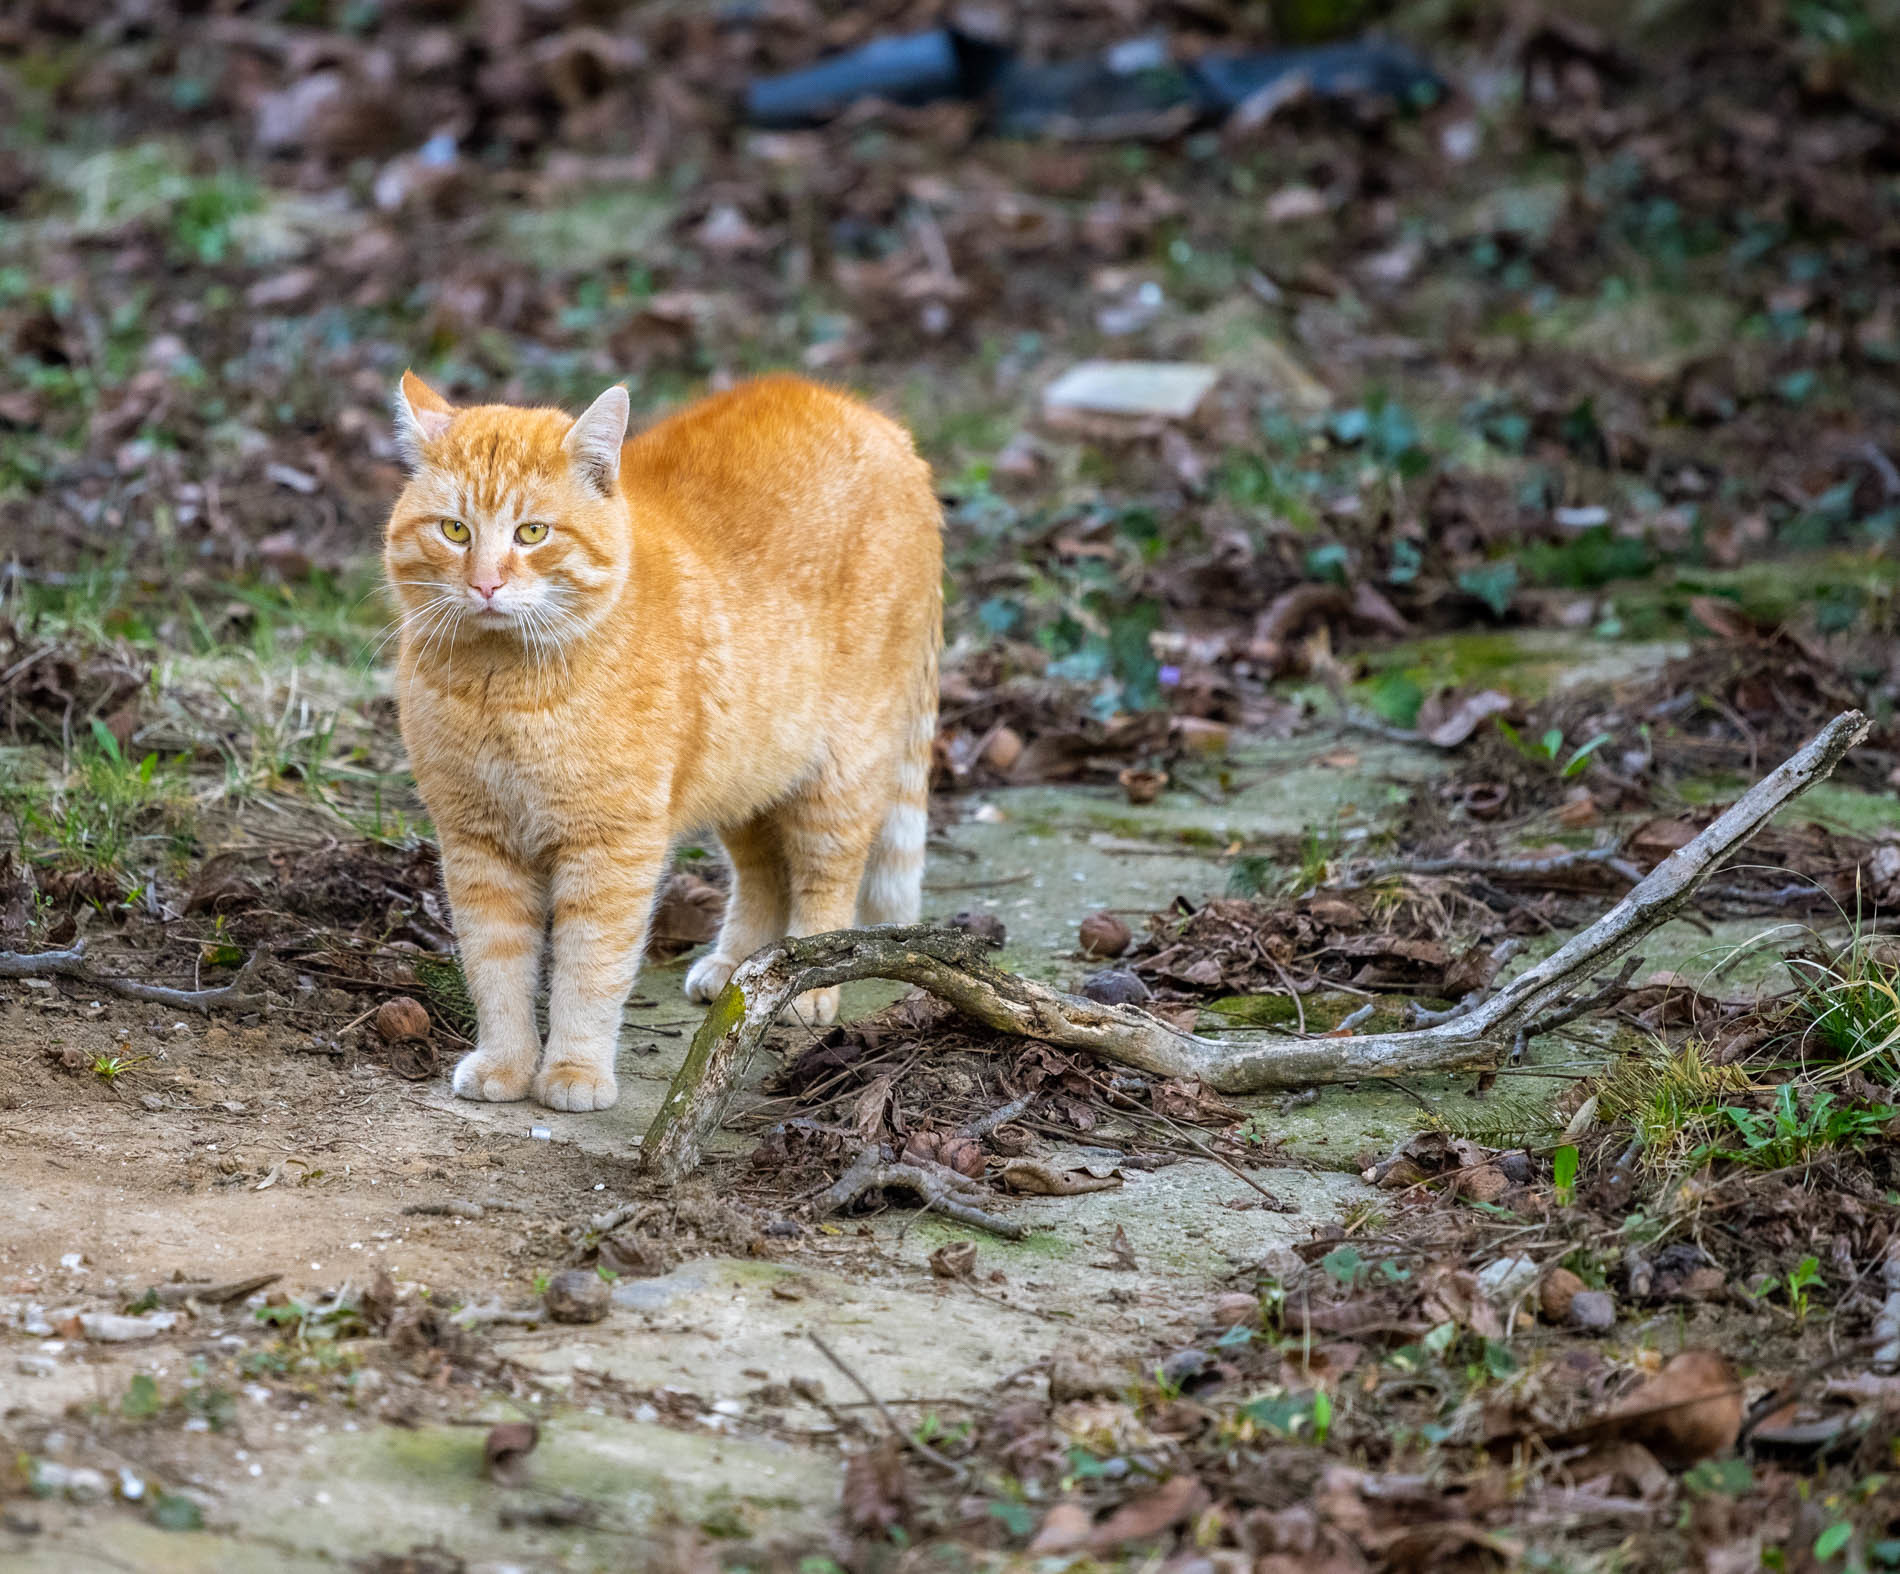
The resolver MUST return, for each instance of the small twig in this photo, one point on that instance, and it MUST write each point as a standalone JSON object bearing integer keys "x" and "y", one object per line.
{"x": 938, "y": 886}
{"x": 1299, "y": 1005}
{"x": 943, "y": 1462}
{"x": 1532, "y": 869}
{"x": 447, "y": 1210}
{"x": 1611, "y": 992}
{"x": 487, "y": 1316}
{"x": 214, "y": 1294}
{"x": 983, "y": 1125}
{"x": 72, "y": 964}
{"x": 1276, "y": 1205}
{"x": 1350, "y": 1021}
{"x": 1790, "y": 1387}
{"x": 871, "y": 1172}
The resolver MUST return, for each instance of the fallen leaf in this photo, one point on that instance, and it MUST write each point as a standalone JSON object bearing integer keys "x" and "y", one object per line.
{"x": 1121, "y": 1255}
{"x": 1065, "y": 1528}
{"x": 954, "y": 1260}
{"x": 877, "y": 1492}
{"x": 1043, "y": 1180}
{"x": 1177, "y": 1500}
{"x": 1449, "y": 718}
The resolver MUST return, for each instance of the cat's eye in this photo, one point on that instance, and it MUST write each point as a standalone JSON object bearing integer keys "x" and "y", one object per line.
{"x": 455, "y": 530}
{"x": 531, "y": 535}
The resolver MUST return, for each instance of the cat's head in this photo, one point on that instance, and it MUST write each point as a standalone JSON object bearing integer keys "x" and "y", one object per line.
{"x": 512, "y": 522}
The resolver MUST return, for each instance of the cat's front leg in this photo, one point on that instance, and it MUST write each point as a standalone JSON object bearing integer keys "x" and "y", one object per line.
{"x": 500, "y": 910}
{"x": 602, "y": 895}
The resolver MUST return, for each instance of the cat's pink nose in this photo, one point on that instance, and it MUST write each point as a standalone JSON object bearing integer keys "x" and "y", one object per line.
{"x": 488, "y": 587}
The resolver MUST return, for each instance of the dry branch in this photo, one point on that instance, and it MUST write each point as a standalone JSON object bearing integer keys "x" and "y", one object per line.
{"x": 952, "y": 967}
{"x": 73, "y": 964}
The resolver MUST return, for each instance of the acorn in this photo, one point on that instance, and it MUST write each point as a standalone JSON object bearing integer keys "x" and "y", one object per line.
{"x": 400, "y": 1017}
{"x": 1104, "y": 935}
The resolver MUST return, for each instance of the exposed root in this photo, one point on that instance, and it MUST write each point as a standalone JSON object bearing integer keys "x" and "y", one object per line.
{"x": 73, "y": 964}
{"x": 952, "y": 967}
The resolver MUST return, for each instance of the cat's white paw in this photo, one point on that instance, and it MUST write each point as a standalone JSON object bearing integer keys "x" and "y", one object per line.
{"x": 498, "y": 1078}
{"x": 576, "y": 1085}
{"x": 814, "y": 1008}
{"x": 707, "y": 977}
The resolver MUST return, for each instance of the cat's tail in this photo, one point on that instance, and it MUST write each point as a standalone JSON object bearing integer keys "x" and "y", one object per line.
{"x": 893, "y": 889}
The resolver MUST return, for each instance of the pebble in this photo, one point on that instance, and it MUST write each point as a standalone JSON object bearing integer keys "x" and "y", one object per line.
{"x": 1593, "y": 1310}
{"x": 578, "y": 1295}
{"x": 111, "y": 1328}
{"x": 1507, "y": 1280}
{"x": 1182, "y": 1365}
{"x": 36, "y": 1366}
{"x": 80, "y": 1483}
{"x": 1115, "y": 986}
{"x": 1559, "y": 1289}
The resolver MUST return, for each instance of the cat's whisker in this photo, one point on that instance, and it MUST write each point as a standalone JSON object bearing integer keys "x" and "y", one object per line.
{"x": 405, "y": 622}
{"x": 442, "y": 618}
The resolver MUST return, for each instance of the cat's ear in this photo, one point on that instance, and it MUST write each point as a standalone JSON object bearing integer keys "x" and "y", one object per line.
{"x": 422, "y": 415}
{"x": 593, "y": 442}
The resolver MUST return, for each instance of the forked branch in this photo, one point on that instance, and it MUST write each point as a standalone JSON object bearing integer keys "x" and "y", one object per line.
{"x": 951, "y": 966}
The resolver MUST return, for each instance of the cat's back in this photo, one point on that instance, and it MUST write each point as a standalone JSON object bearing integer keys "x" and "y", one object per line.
{"x": 777, "y": 454}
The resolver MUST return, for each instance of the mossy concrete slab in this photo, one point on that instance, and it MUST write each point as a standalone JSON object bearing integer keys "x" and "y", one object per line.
{"x": 713, "y": 1326}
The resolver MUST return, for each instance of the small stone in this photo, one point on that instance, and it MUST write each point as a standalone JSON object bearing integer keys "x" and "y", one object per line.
{"x": 1183, "y": 1365}
{"x": 1115, "y": 986}
{"x": 1231, "y": 1311}
{"x": 1594, "y": 1311}
{"x": 577, "y": 1295}
{"x": 1076, "y": 1373}
{"x": 111, "y": 1328}
{"x": 36, "y": 1366}
{"x": 1507, "y": 1280}
{"x": 80, "y": 1483}
{"x": 1104, "y": 935}
{"x": 1559, "y": 1289}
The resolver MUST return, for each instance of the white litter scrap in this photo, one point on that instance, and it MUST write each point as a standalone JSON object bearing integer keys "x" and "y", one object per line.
{"x": 1171, "y": 390}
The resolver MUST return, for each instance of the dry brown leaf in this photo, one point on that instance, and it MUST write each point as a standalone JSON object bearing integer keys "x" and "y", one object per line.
{"x": 1177, "y": 1500}
{"x": 1044, "y": 1180}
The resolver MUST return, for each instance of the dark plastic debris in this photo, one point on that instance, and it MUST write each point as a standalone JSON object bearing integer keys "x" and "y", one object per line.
{"x": 916, "y": 69}
{"x": 1367, "y": 69}
{"x": 1134, "y": 90}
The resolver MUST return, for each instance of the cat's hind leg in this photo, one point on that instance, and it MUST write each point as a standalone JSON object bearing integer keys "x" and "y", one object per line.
{"x": 756, "y": 909}
{"x": 826, "y": 837}
{"x": 893, "y": 890}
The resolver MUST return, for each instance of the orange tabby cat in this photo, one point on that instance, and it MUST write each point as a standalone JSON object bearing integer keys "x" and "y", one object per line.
{"x": 730, "y": 622}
